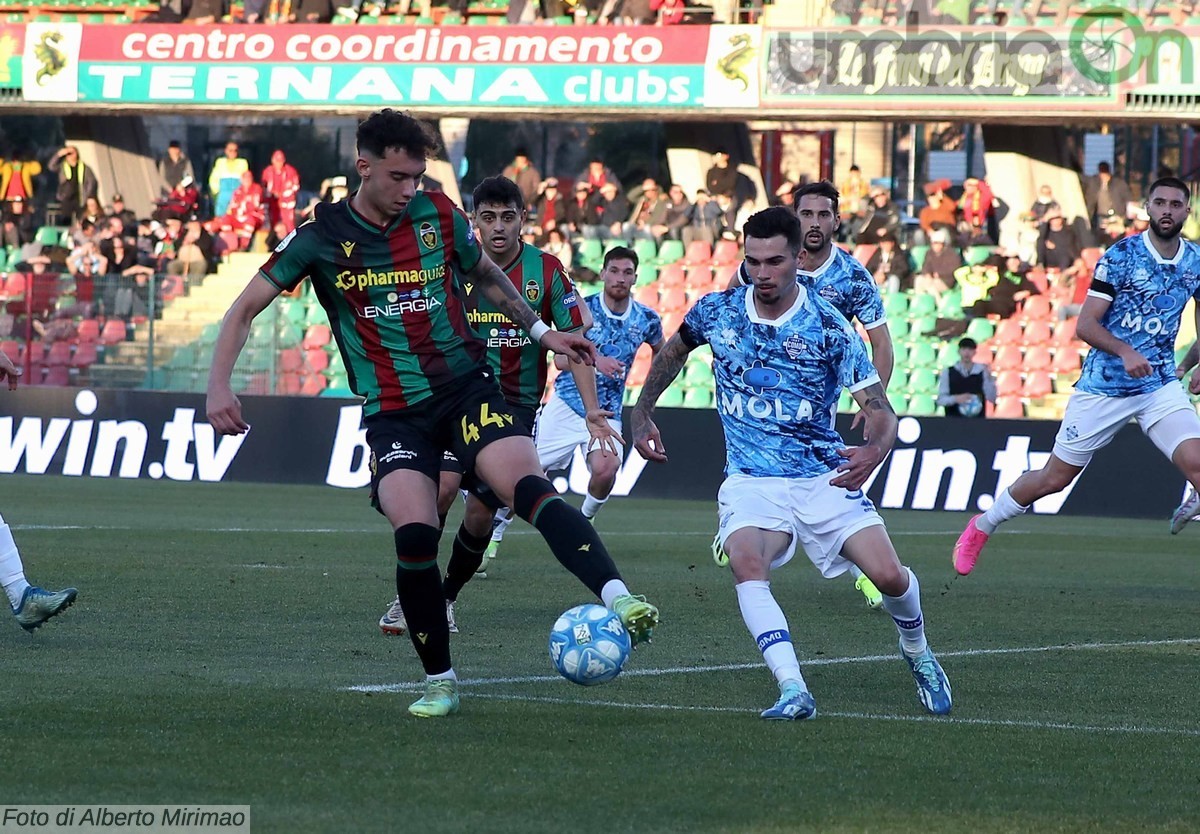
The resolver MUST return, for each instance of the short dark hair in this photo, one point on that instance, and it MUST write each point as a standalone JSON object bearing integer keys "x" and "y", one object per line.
{"x": 1170, "y": 182}
{"x": 967, "y": 342}
{"x": 620, "y": 253}
{"x": 1103, "y": 168}
{"x": 822, "y": 188}
{"x": 521, "y": 151}
{"x": 391, "y": 129}
{"x": 775, "y": 221}
{"x": 500, "y": 191}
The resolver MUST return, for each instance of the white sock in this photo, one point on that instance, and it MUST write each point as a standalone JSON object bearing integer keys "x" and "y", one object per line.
{"x": 906, "y": 613}
{"x": 856, "y": 571}
{"x": 612, "y": 589}
{"x": 504, "y": 517}
{"x": 12, "y": 572}
{"x": 591, "y": 505}
{"x": 769, "y": 628}
{"x": 1001, "y": 511}
{"x": 448, "y": 675}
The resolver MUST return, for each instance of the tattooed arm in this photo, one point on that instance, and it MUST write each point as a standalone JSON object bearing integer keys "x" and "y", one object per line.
{"x": 668, "y": 362}
{"x": 499, "y": 290}
{"x": 861, "y": 461}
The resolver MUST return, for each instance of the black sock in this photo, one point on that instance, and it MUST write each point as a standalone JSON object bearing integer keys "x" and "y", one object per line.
{"x": 572, "y": 540}
{"x": 465, "y": 558}
{"x": 419, "y": 587}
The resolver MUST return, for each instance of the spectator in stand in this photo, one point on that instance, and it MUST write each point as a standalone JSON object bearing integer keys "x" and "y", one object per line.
{"x": 1058, "y": 247}
{"x": 1140, "y": 223}
{"x": 557, "y": 245}
{"x": 550, "y": 207}
{"x": 966, "y": 385}
{"x": 596, "y": 175}
{"x": 126, "y": 216}
{"x": 853, "y": 203}
{"x": 59, "y": 328}
{"x": 649, "y": 212}
{"x": 93, "y": 213}
{"x": 225, "y": 177}
{"x": 522, "y": 171}
{"x": 1105, "y": 195}
{"x": 181, "y": 203}
{"x": 89, "y": 265}
{"x": 582, "y": 213}
{"x": 679, "y": 212}
{"x": 670, "y": 12}
{"x": 76, "y": 182}
{"x": 333, "y": 190}
{"x": 976, "y": 228}
{"x": 939, "y": 212}
{"x": 721, "y": 177}
{"x": 941, "y": 262}
{"x": 17, "y": 177}
{"x": 173, "y": 168}
{"x": 727, "y": 218}
{"x": 245, "y": 215}
{"x": 614, "y": 209}
{"x": 206, "y": 12}
{"x": 1029, "y": 236}
{"x": 281, "y": 185}
{"x": 193, "y": 254}
{"x": 881, "y": 218}
{"x": 704, "y": 220}
{"x": 17, "y": 228}
{"x": 1044, "y": 202}
{"x": 889, "y": 265}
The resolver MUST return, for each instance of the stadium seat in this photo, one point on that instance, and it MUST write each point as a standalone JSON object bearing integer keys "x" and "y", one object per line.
{"x": 1007, "y": 358}
{"x": 647, "y": 273}
{"x": 895, "y": 304}
{"x": 922, "y": 405}
{"x": 1091, "y": 257}
{"x": 1064, "y": 331}
{"x": 59, "y": 354}
{"x": 315, "y": 360}
{"x": 1009, "y": 408}
{"x": 863, "y": 252}
{"x": 948, "y": 355}
{"x": 673, "y": 300}
{"x": 922, "y": 304}
{"x": 1039, "y": 384}
{"x": 288, "y": 385}
{"x": 647, "y": 295}
{"x": 722, "y": 273}
{"x": 898, "y": 327}
{"x": 1037, "y": 333}
{"x": 981, "y": 329}
{"x": 697, "y": 373}
{"x": 316, "y": 336}
{"x": 983, "y": 355}
{"x": 846, "y": 402}
{"x": 1008, "y": 384}
{"x": 291, "y": 361}
{"x": 12, "y": 349}
{"x": 85, "y": 355}
{"x": 590, "y": 251}
{"x": 949, "y": 304}
{"x": 672, "y": 397}
{"x": 726, "y": 252}
{"x": 670, "y": 251}
{"x": 698, "y": 398}
{"x": 313, "y": 385}
{"x": 977, "y": 254}
{"x": 922, "y": 355}
{"x": 699, "y": 253}
{"x": 88, "y": 331}
{"x": 899, "y": 355}
{"x": 1066, "y": 360}
{"x": 1009, "y": 332}
{"x": 672, "y": 275}
{"x": 57, "y": 375}
{"x": 647, "y": 250}
{"x": 1036, "y": 307}
{"x": 923, "y": 381}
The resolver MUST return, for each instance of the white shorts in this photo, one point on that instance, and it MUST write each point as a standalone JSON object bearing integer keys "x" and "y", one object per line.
{"x": 821, "y": 516}
{"x": 1091, "y": 421}
{"x": 559, "y": 431}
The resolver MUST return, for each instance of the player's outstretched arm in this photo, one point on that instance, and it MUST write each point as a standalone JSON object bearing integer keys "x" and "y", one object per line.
{"x": 1090, "y": 329}
{"x": 667, "y": 364}
{"x": 862, "y": 460}
{"x": 9, "y": 371}
{"x": 223, "y": 408}
{"x": 499, "y": 290}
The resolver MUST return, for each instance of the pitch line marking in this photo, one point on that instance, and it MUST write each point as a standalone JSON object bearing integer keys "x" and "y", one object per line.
{"x": 819, "y": 661}
{"x": 859, "y": 716}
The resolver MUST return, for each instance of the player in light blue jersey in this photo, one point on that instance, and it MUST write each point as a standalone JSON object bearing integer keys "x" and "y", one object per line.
{"x": 1130, "y": 318}
{"x": 620, "y": 327}
{"x": 781, "y": 356}
{"x": 833, "y": 274}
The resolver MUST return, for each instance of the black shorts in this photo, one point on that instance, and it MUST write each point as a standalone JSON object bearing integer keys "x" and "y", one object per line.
{"x": 470, "y": 481}
{"x": 461, "y": 421}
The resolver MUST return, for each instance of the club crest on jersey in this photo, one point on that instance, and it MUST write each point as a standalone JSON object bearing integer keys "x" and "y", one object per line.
{"x": 829, "y": 293}
{"x": 532, "y": 291}
{"x": 428, "y": 235}
{"x": 794, "y": 347}
{"x": 348, "y": 247}
{"x": 759, "y": 378}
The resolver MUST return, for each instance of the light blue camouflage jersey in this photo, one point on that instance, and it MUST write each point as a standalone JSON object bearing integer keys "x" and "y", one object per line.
{"x": 618, "y": 336}
{"x": 1148, "y": 295}
{"x": 844, "y": 283}
{"x": 778, "y": 381}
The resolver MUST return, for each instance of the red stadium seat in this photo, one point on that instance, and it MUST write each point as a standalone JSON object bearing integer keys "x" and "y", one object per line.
{"x": 1091, "y": 257}
{"x": 722, "y": 274}
{"x": 863, "y": 252}
{"x": 60, "y": 354}
{"x": 983, "y": 355}
{"x": 1038, "y": 278}
{"x": 1039, "y": 384}
{"x": 35, "y": 353}
{"x": 288, "y": 385}
{"x": 726, "y": 252}
{"x": 113, "y": 332}
{"x": 316, "y": 360}
{"x": 698, "y": 253}
{"x": 1008, "y": 332}
{"x": 1064, "y": 331}
{"x": 318, "y": 335}
{"x": 89, "y": 330}
{"x": 291, "y": 361}
{"x": 647, "y": 295}
{"x": 57, "y": 375}
{"x": 85, "y": 355}
{"x": 313, "y": 385}
{"x": 12, "y": 350}
{"x": 1037, "y": 333}
{"x": 1008, "y": 384}
{"x": 1037, "y": 358}
{"x": 1009, "y": 408}
{"x": 1007, "y": 358}
{"x": 1036, "y": 307}
{"x": 673, "y": 300}
{"x": 699, "y": 276}
{"x": 672, "y": 275}
{"x": 1066, "y": 360}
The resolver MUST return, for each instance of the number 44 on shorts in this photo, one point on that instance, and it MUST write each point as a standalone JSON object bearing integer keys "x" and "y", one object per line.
{"x": 470, "y": 431}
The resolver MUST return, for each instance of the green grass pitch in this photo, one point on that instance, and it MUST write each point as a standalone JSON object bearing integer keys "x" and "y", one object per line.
{"x": 224, "y": 649}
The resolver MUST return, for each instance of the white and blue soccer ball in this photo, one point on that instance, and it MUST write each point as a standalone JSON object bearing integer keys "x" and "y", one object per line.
{"x": 589, "y": 644}
{"x": 972, "y": 407}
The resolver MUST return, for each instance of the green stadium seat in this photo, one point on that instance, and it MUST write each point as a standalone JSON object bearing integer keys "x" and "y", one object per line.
{"x": 922, "y": 355}
{"x": 977, "y": 254}
{"x": 899, "y": 354}
{"x": 950, "y": 304}
{"x": 697, "y": 373}
{"x": 208, "y": 336}
{"x": 453, "y": 19}
{"x": 922, "y": 405}
{"x": 646, "y": 250}
{"x": 981, "y": 329}
{"x": 49, "y": 236}
{"x": 948, "y": 354}
{"x": 845, "y": 402}
{"x": 646, "y": 274}
{"x": 895, "y": 305}
{"x": 590, "y": 251}
{"x": 670, "y": 251}
{"x": 899, "y": 380}
{"x": 916, "y": 255}
{"x": 697, "y": 398}
{"x": 478, "y": 20}
{"x": 898, "y": 327}
{"x": 919, "y": 326}
{"x": 672, "y": 397}
{"x": 923, "y": 381}
{"x": 922, "y": 304}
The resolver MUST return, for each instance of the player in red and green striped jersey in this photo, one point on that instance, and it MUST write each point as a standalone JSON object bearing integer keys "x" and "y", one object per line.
{"x": 388, "y": 266}
{"x": 520, "y": 366}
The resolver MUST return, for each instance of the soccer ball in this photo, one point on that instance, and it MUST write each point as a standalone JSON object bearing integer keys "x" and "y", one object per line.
{"x": 589, "y": 645}
{"x": 972, "y": 407}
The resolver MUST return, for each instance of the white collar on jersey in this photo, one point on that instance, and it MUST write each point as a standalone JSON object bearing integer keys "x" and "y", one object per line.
{"x": 1145, "y": 236}
{"x": 833, "y": 251}
{"x": 611, "y": 314}
{"x": 753, "y": 315}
